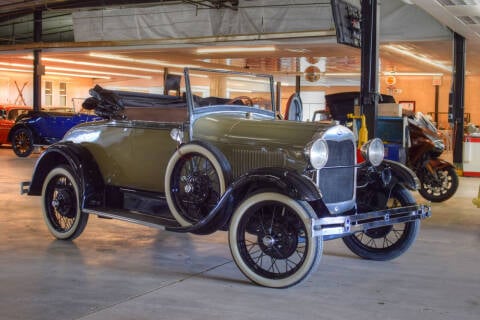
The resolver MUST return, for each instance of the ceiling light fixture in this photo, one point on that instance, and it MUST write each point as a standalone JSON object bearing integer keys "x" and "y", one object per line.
{"x": 342, "y": 74}
{"x": 16, "y": 65}
{"x": 420, "y": 74}
{"x": 410, "y": 54}
{"x": 153, "y": 62}
{"x": 235, "y": 49}
{"x": 90, "y": 76}
{"x": 16, "y": 70}
{"x": 99, "y": 72}
{"x": 94, "y": 64}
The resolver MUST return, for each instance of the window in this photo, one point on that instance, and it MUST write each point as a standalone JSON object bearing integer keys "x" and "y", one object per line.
{"x": 63, "y": 94}
{"x": 48, "y": 93}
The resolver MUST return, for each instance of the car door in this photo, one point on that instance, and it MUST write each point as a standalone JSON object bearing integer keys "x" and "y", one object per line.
{"x": 5, "y": 125}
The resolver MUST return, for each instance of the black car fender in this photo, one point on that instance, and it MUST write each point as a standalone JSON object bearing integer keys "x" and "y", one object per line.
{"x": 276, "y": 179}
{"x": 403, "y": 174}
{"x": 83, "y": 165}
{"x": 282, "y": 180}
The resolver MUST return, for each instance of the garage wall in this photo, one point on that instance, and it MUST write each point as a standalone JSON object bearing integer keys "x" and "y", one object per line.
{"x": 77, "y": 89}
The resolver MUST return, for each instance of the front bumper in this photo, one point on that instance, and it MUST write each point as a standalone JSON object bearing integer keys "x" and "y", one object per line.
{"x": 337, "y": 227}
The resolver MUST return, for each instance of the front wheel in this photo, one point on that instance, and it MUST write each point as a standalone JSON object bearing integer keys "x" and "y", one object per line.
{"x": 195, "y": 179}
{"x": 441, "y": 187}
{"x": 271, "y": 241}
{"x": 22, "y": 142}
{"x": 61, "y": 204}
{"x": 388, "y": 242}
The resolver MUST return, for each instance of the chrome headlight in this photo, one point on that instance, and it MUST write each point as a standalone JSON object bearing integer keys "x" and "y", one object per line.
{"x": 318, "y": 153}
{"x": 373, "y": 151}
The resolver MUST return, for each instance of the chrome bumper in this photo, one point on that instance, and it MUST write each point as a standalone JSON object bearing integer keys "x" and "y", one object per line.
{"x": 336, "y": 227}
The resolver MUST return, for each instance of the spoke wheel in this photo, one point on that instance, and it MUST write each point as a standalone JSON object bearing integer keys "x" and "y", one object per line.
{"x": 195, "y": 182}
{"x": 441, "y": 188}
{"x": 271, "y": 242}
{"x": 61, "y": 205}
{"x": 22, "y": 142}
{"x": 388, "y": 242}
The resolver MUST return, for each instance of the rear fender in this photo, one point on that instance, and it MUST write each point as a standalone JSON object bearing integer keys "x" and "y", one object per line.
{"x": 83, "y": 165}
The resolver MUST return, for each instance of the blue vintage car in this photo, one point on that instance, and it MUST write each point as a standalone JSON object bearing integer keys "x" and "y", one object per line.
{"x": 41, "y": 128}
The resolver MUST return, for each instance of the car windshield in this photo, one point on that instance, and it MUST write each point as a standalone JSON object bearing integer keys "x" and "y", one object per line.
{"x": 217, "y": 88}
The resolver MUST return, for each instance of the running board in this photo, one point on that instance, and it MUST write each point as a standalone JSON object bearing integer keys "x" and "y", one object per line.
{"x": 157, "y": 222}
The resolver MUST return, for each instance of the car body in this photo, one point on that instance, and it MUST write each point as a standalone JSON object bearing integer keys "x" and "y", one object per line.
{"x": 201, "y": 164}
{"x": 8, "y": 115}
{"x": 42, "y": 128}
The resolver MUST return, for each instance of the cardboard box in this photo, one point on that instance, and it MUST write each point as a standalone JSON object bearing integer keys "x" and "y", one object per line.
{"x": 389, "y": 110}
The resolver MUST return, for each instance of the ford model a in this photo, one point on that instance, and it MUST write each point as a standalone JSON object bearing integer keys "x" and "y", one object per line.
{"x": 216, "y": 159}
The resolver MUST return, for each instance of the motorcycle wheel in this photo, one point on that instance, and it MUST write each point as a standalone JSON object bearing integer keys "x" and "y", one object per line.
{"x": 388, "y": 242}
{"x": 441, "y": 189}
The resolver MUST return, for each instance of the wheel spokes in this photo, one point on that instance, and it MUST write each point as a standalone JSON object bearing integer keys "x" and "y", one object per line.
{"x": 58, "y": 218}
{"x": 275, "y": 253}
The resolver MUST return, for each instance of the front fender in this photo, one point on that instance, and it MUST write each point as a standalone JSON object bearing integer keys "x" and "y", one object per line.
{"x": 83, "y": 165}
{"x": 283, "y": 180}
{"x": 438, "y": 163}
{"x": 403, "y": 174}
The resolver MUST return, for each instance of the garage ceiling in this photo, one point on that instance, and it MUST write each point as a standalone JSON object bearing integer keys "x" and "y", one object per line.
{"x": 146, "y": 59}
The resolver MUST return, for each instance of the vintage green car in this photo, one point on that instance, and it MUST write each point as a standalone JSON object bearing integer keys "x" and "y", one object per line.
{"x": 217, "y": 159}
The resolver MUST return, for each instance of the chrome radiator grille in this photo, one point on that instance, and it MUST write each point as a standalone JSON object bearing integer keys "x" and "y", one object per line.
{"x": 337, "y": 179}
{"x": 245, "y": 160}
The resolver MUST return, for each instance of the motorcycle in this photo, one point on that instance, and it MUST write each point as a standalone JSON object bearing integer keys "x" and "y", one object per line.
{"x": 438, "y": 178}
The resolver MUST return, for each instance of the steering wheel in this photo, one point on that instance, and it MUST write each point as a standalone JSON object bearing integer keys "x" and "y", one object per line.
{"x": 241, "y": 100}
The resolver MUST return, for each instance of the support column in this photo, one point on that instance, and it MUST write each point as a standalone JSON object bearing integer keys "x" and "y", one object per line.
{"x": 278, "y": 98}
{"x": 38, "y": 69}
{"x": 458, "y": 86}
{"x": 369, "y": 65}
{"x": 437, "y": 94}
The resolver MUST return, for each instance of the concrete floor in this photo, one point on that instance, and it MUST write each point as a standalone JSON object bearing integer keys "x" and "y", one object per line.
{"x": 116, "y": 270}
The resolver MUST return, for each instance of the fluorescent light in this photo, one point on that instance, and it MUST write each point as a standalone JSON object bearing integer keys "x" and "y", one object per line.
{"x": 235, "y": 49}
{"x": 57, "y": 73}
{"x": 16, "y": 70}
{"x": 99, "y": 72}
{"x": 342, "y": 74}
{"x": 94, "y": 64}
{"x": 16, "y": 65}
{"x": 190, "y": 74}
{"x": 239, "y": 90}
{"x": 153, "y": 62}
{"x": 410, "y": 54}
{"x": 393, "y": 73}
{"x": 90, "y": 76}
{"x": 253, "y": 79}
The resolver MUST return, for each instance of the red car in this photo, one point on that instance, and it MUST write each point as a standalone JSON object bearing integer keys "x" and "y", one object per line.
{"x": 8, "y": 114}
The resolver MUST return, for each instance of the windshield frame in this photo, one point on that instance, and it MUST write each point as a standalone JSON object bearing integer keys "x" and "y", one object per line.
{"x": 193, "y": 110}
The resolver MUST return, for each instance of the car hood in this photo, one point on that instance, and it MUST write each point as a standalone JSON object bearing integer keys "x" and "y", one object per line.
{"x": 243, "y": 129}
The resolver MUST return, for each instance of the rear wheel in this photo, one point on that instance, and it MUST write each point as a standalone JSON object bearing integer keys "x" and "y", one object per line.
{"x": 61, "y": 204}
{"x": 22, "y": 142}
{"x": 388, "y": 242}
{"x": 271, "y": 241}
